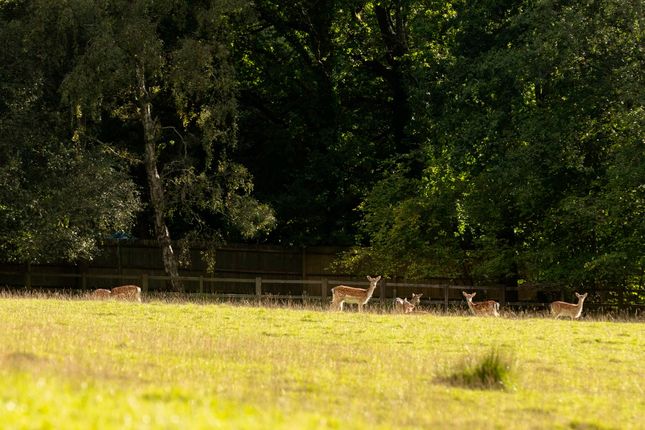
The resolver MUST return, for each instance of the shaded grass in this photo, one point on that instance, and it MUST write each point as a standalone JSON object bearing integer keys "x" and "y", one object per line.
{"x": 83, "y": 364}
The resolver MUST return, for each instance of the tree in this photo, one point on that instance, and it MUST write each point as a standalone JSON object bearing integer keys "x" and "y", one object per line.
{"x": 165, "y": 67}
{"x": 327, "y": 96}
{"x": 290, "y": 119}
{"x": 59, "y": 198}
{"x": 151, "y": 82}
{"x": 534, "y": 154}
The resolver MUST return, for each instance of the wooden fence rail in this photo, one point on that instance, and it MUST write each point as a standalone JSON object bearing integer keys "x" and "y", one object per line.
{"x": 257, "y": 288}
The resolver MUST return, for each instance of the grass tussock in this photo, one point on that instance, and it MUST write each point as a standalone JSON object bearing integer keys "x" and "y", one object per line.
{"x": 492, "y": 371}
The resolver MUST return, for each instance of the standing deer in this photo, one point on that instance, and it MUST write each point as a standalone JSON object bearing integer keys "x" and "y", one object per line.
{"x": 405, "y": 306}
{"x": 568, "y": 309}
{"x": 360, "y": 296}
{"x": 489, "y": 307}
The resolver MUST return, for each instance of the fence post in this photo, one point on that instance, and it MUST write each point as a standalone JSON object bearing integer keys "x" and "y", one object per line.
{"x": 503, "y": 299}
{"x": 323, "y": 289}
{"x": 445, "y": 298}
{"x": 28, "y": 277}
{"x": 201, "y": 284}
{"x": 382, "y": 291}
{"x": 144, "y": 282}
{"x": 84, "y": 281}
{"x": 258, "y": 287}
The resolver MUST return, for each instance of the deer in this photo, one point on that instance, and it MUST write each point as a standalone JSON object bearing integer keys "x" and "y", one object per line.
{"x": 124, "y": 292}
{"x": 405, "y": 306}
{"x": 344, "y": 294}
{"x": 487, "y": 308}
{"x": 100, "y": 294}
{"x": 569, "y": 309}
{"x": 127, "y": 292}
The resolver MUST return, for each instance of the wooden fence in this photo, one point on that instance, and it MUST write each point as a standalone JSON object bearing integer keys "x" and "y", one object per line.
{"x": 441, "y": 295}
{"x": 232, "y": 260}
{"x": 257, "y": 287}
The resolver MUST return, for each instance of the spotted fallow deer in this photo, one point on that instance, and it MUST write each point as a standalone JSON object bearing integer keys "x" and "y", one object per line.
{"x": 565, "y": 309}
{"x": 127, "y": 292}
{"x": 344, "y": 294}
{"x": 405, "y": 306}
{"x": 100, "y": 294}
{"x": 486, "y": 308}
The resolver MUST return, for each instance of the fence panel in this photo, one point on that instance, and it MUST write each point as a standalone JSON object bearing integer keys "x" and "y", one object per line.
{"x": 233, "y": 287}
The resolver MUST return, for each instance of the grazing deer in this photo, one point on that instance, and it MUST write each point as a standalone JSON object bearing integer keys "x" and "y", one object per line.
{"x": 489, "y": 307}
{"x": 127, "y": 292}
{"x": 100, "y": 294}
{"x": 568, "y": 309}
{"x": 360, "y": 296}
{"x": 405, "y": 306}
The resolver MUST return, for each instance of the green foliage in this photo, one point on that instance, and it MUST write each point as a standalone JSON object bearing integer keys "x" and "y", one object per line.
{"x": 108, "y": 63}
{"x": 534, "y": 148}
{"x": 414, "y": 237}
{"x": 58, "y": 203}
{"x": 497, "y": 140}
{"x": 58, "y": 198}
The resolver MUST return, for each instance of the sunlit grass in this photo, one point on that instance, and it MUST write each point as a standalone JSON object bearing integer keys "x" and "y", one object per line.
{"x": 89, "y": 364}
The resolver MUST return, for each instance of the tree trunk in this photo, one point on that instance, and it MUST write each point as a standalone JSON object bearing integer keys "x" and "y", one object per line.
{"x": 394, "y": 36}
{"x": 157, "y": 199}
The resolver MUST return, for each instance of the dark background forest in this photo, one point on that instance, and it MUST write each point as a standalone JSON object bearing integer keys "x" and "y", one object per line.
{"x": 499, "y": 140}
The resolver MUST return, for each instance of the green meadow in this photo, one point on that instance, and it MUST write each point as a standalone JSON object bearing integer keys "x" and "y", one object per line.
{"x": 77, "y": 364}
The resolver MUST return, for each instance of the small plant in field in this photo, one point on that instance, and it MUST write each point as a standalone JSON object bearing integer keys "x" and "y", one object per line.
{"x": 492, "y": 371}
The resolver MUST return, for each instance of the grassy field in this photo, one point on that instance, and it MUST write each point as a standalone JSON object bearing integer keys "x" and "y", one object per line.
{"x": 74, "y": 364}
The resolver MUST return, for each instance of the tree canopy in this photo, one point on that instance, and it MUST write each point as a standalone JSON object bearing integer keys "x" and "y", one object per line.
{"x": 499, "y": 140}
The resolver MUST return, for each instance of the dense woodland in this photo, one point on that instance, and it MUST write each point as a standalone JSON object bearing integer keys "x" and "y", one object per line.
{"x": 500, "y": 140}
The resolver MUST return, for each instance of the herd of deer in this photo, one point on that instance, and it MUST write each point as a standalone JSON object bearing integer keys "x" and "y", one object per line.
{"x": 343, "y": 294}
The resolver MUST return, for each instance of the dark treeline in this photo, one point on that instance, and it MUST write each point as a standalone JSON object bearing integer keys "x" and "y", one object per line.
{"x": 500, "y": 140}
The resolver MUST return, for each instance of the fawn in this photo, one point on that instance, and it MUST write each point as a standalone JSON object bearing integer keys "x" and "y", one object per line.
{"x": 405, "y": 306}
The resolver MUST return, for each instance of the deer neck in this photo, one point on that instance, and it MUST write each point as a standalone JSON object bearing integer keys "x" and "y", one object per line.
{"x": 370, "y": 290}
{"x": 470, "y": 304}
